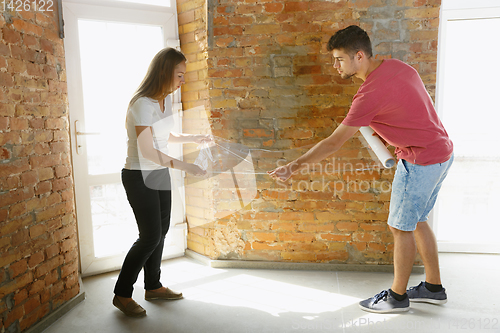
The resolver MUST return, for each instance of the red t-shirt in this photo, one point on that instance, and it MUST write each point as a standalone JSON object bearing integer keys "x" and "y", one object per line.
{"x": 394, "y": 102}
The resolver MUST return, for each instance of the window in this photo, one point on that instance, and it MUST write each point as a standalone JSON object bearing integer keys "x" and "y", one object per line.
{"x": 466, "y": 218}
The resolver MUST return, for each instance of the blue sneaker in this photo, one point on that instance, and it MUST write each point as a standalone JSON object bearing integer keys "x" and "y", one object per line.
{"x": 421, "y": 294}
{"x": 385, "y": 303}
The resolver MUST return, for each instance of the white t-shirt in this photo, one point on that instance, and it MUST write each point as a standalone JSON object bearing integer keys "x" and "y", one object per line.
{"x": 146, "y": 112}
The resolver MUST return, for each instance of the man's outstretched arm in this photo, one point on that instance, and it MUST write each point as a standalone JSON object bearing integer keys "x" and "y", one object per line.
{"x": 319, "y": 152}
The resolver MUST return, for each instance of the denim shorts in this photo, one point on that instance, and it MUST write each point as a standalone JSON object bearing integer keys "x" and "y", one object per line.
{"x": 414, "y": 192}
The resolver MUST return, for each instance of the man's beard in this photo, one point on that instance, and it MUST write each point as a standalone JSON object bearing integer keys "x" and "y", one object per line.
{"x": 346, "y": 76}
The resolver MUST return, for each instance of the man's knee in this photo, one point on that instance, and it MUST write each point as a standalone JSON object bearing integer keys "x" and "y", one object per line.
{"x": 397, "y": 232}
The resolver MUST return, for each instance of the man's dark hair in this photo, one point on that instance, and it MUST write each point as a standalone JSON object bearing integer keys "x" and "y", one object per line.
{"x": 351, "y": 39}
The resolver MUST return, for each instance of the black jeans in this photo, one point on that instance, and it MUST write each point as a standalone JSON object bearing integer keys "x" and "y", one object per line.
{"x": 152, "y": 212}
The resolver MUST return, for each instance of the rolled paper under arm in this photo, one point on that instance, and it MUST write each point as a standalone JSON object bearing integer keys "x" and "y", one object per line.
{"x": 378, "y": 147}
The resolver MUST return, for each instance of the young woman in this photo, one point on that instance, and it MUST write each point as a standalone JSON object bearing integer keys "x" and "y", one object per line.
{"x": 146, "y": 177}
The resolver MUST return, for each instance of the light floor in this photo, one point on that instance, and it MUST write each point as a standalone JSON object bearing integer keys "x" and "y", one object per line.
{"x": 242, "y": 300}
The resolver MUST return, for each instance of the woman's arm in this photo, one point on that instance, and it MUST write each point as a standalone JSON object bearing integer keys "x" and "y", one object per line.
{"x": 189, "y": 138}
{"x": 145, "y": 144}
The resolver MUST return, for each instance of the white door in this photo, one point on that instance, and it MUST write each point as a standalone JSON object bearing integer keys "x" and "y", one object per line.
{"x": 109, "y": 45}
{"x": 466, "y": 218}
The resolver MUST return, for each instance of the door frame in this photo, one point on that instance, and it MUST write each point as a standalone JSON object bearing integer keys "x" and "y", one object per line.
{"x": 114, "y": 11}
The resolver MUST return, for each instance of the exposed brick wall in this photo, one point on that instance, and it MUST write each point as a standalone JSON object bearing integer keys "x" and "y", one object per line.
{"x": 192, "y": 20}
{"x": 272, "y": 86}
{"x": 38, "y": 245}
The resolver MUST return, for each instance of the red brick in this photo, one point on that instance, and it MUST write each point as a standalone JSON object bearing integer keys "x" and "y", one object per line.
{"x": 20, "y": 296}
{"x": 332, "y": 256}
{"x": 325, "y": 5}
{"x": 31, "y": 42}
{"x": 226, "y": 73}
{"x": 17, "y": 210}
{"x": 72, "y": 280}
{"x": 63, "y": 233}
{"x": 45, "y": 296}
{"x": 29, "y": 178}
{"x": 50, "y": 213}
{"x": 46, "y": 45}
{"x": 57, "y": 288}
{"x": 364, "y": 237}
{"x": 347, "y": 226}
{"x": 296, "y": 7}
{"x": 62, "y": 184}
{"x": 302, "y": 70}
{"x": 30, "y": 319}
{"x": 5, "y": 154}
{"x": 225, "y": 9}
{"x": 257, "y": 132}
{"x": 11, "y": 36}
{"x": 42, "y": 149}
{"x": 37, "y": 123}
{"x": 68, "y": 245}
{"x": 249, "y": 9}
{"x": 71, "y": 255}
{"x": 55, "y": 224}
{"x": 6, "y": 79}
{"x": 298, "y": 256}
{"x": 69, "y": 269}
{"x": 333, "y": 216}
{"x": 262, "y": 29}
{"x": 37, "y": 230}
{"x": 18, "y": 268}
{"x": 49, "y": 72}
{"x": 4, "y": 50}
{"x": 4, "y": 123}
{"x": 273, "y": 7}
{"x": 17, "y": 284}
{"x": 45, "y": 20}
{"x": 13, "y": 315}
{"x": 186, "y": 17}
{"x": 377, "y": 247}
{"x": 31, "y": 304}
{"x": 51, "y": 278}
{"x": 297, "y": 237}
{"x": 48, "y": 266}
{"x": 20, "y": 237}
{"x": 299, "y": 216}
{"x": 336, "y": 237}
{"x": 53, "y": 199}
{"x": 240, "y": 20}
{"x": 43, "y": 187}
{"x": 60, "y": 147}
{"x": 52, "y": 251}
{"x": 45, "y": 161}
{"x": 35, "y": 259}
{"x": 263, "y": 236}
{"x": 36, "y": 287}
{"x": 357, "y": 196}
{"x": 284, "y": 226}
{"x": 234, "y": 30}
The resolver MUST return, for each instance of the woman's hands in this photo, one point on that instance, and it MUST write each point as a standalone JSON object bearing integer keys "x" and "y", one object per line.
{"x": 190, "y": 138}
{"x": 202, "y": 138}
{"x": 199, "y": 139}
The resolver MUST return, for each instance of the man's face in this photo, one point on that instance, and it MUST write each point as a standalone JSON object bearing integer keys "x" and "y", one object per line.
{"x": 344, "y": 63}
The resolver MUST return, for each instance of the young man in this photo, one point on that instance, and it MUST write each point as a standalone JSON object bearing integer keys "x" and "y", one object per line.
{"x": 394, "y": 102}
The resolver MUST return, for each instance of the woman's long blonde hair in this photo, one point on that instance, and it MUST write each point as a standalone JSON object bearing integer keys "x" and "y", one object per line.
{"x": 157, "y": 83}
